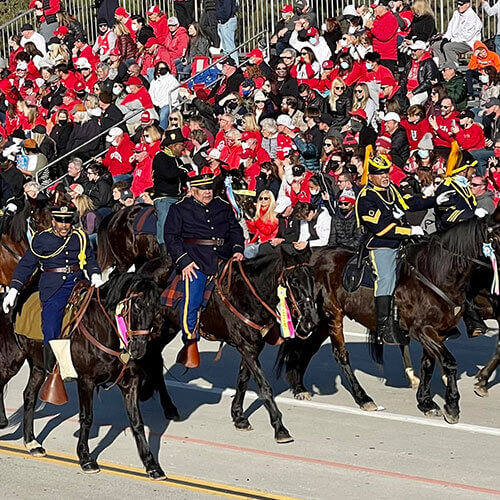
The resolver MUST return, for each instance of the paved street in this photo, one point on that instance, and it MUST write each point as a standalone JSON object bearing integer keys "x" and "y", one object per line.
{"x": 339, "y": 450}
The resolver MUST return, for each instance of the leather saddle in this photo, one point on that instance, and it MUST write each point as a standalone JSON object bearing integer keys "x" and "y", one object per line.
{"x": 357, "y": 272}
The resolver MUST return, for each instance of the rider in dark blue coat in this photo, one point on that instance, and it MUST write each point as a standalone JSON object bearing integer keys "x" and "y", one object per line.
{"x": 63, "y": 253}
{"x": 199, "y": 230}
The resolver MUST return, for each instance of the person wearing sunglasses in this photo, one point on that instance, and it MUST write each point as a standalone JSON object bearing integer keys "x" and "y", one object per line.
{"x": 484, "y": 196}
{"x": 344, "y": 230}
{"x": 106, "y": 40}
{"x": 442, "y": 125}
{"x": 306, "y": 68}
{"x": 311, "y": 40}
{"x": 455, "y": 84}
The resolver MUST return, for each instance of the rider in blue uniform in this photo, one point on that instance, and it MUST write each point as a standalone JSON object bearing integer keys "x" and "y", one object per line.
{"x": 380, "y": 209}
{"x": 63, "y": 253}
{"x": 199, "y": 230}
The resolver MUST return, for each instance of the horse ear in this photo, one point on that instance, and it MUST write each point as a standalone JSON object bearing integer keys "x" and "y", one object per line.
{"x": 293, "y": 257}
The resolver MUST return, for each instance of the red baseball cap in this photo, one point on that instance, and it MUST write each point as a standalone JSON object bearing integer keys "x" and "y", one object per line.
{"x": 349, "y": 140}
{"x": 153, "y": 10}
{"x": 255, "y": 53}
{"x": 383, "y": 142}
{"x": 287, "y": 8}
{"x": 249, "y": 135}
{"x": 120, "y": 11}
{"x": 79, "y": 86}
{"x": 146, "y": 116}
{"x": 139, "y": 147}
{"x": 312, "y": 31}
{"x": 134, "y": 80}
{"x": 359, "y": 112}
{"x": 61, "y": 30}
{"x": 115, "y": 51}
{"x": 70, "y": 93}
{"x": 328, "y": 64}
{"x": 151, "y": 41}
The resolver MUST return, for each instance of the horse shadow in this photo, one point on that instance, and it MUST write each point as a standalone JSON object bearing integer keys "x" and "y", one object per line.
{"x": 110, "y": 420}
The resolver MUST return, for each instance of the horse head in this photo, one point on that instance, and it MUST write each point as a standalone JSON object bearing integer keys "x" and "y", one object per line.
{"x": 297, "y": 277}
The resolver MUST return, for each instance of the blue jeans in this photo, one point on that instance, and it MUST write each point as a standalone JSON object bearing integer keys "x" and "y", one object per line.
{"x": 497, "y": 44}
{"x": 482, "y": 156}
{"x": 162, "y": 207}
{"x": 190, "y": 305}
{"x": 183, "y": 70}
{"x": 226, "y": 33}
{"x": 384, "y": 266}
{"x": 164, "y": 114}
{"x": 123, "y": 177}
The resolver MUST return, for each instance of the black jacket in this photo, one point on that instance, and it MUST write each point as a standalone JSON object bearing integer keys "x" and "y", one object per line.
{"x": 100, "y": 191}
{"x": 344, "y": 231}
{"x": 422, "y": 28}
{"x": 341, "y": 116}
{"x": 111, "y": 116}
{"x": 81, "y": 134}
{"x": 226, "y": 9}
{"x": 61, "y": 133}
{"x": 400, "y": 148}
{"x": 169, "y": 175}
{"x": 427, "y": 71}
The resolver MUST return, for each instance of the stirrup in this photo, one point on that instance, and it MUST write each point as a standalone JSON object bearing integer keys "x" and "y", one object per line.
{"x": 189, "y": 355}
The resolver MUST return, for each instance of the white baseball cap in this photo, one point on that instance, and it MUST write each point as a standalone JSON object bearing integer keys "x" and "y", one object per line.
{"x": 286, "y": 121}
{"x": 391, "y": 116}
{"x": 282, "y": 204}
{"x": 83, "y": 63}
{"x": 418, "y": 45}
{"x": 113, "y": 133}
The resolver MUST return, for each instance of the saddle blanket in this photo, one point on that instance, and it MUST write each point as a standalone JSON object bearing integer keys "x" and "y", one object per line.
{"x": 172, "y": 295}
{"x": 368, "y": 280}
{"x": 145, "y": 221}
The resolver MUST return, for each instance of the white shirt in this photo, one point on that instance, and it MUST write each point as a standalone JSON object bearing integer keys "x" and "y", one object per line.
{"x": 38, "y": 40}
{"x": 321, "y": 50}
{"x": 464, "y": 27}
{"x": 493, "y": 11}
{"x": 322, "y": 227}
{"x": 161, "y": 87}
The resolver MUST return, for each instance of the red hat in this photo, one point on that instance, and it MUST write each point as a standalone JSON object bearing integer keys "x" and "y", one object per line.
{"x": 388, "y": 80}
{"x": 255, "y": 53}
{"x": 153, "y": 10}
{"x": 312, "y": 31}
{"x": 139, "y": 147}
{"x": 350, "y": 140}
{"x": 146, "y": 117}
{"x": 359, "y": 112}
{"x": 328, "y": 64}
{"x": 134, "y": 80}
{"x": 250, "y": 135}
{"x": 120, "y": 11}
{"x": 61, "y": 30}
{"x": 115, "y": 51}
{"x": 151, "y": 41}
{"x": 70, "y": 93}
{"x": 383, "y": 142}
{"x": 347, "y": 196}
{"x": 287, "y": 8}
{"x": 79, "y": 86}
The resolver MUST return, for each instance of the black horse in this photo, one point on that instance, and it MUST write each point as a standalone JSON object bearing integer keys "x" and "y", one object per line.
{"x": 448, "y": 260}
{"x": 234, "y": 307}
{"x": 97, "y": 358}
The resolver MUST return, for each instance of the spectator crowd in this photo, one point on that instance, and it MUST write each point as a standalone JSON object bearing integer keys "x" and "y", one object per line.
{"x": 98, "y": 121}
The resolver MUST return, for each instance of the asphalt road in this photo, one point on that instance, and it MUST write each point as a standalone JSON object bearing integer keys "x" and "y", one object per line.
{"x": 339, "y": 451}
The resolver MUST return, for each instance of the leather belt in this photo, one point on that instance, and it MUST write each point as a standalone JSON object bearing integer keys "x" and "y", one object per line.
{"x": 217, "y": 242}
{"x": 67, "y": 269}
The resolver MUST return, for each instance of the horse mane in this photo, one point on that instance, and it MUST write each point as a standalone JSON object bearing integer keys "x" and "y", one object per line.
{"x": 448, "y": 252}
{"x": 16, "y": 226}
{"x": 263, "y": 269}
{"x": 114, "y": 290}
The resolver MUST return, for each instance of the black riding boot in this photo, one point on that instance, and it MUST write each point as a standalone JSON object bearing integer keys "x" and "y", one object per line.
{"x": 388, "y": 330}
{"x": 49, "y": 359}
{"x": 473, "y": 321}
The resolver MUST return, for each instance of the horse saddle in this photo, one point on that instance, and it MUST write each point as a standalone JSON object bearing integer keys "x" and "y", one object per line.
{"x": 357, "y": 272}
{"x": 145, "y": 221}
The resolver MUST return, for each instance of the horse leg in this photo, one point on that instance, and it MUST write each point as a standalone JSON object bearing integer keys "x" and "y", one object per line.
{"x": 131, "y": 399}
{"x": 251, "y": 356}
{"x": 451, "y": 407}
{"x": 240, "y": 421}
{"x": 4, "y": 421}
{"x": 480, "y": 387}
{"x": 424, "y": 400}
{"x": 86, "y": 397}
{"x": 37, "y": 376}
{"x": 409, "y": 371}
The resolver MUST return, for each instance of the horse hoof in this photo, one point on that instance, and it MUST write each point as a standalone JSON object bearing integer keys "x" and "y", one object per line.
{"x": 451, "y": 419}
{"x": 369, "y": 406}
{"x": 480, "y": 391}
{"x": 243, "y": 425}
{"x": 38, "y": 452}
{"x": 303, "y": 396}
{"x": 156, "y": 474}
{"x": 4, "y": 424}
{"x": 414, "y": 382}
{"x": 283, "y": 437}
{"x": 173, "y": 415}
{"x": 434, "y": 412}
{"x": 90, "y": 467}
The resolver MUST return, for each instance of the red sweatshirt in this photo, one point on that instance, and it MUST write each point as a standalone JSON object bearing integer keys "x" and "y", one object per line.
{"x": 142, "y": 176}
{"x": 415, "y": 131}
{"x": 442, "y": 136}
{"x": 471, "y": 138}
{"x": 384, "y": 36}
{"x": 117, "y": 158}
{"x": 142, "y": 95}
{"x": 374, "y": 76}
{"x": 88, "y": 53}
{"x": 178, "y": 43}
{"x": 160, "y": 28}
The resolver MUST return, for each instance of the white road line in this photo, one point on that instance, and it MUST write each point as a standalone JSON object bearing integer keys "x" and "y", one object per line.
{"x": 478, "y": 429}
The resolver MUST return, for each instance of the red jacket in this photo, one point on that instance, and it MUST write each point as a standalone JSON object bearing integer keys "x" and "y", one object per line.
{"x": 160, "y": 28}
{"x": 442, "y": 136}
{"x": 177, "y": 43}
{"x": 142, "y": 176}
{"x": 415, "y": 131}
{"x": 54, "y": 8}
{"x": 70, "y": 81}
{"x": 471, "y": 138}
{"x": 262, "y": 231}
{"x": 259, "y": 156}
{"x": 13, "y": 60}
{"x": 88, "y": 53}
{"x": 304, "y": 194}
{"x": 142, "y": 95}
{"x": 232, "y": 156}
{"x": 89, "y": 83}
{"x": 374, "y": 76}
{"x": 117, "y": 158}
{"x": 384, "y": 36}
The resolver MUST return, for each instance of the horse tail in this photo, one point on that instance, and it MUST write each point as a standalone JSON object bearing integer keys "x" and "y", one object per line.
{"x": 376, "y": 348}
{"x": 288, "y": 356}
{"x": 105, "y": 257}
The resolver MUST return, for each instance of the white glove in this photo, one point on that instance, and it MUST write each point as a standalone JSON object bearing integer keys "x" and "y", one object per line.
{"x": 444, "y": 197}
{"x": 11, "y": 208}
{"x": 428, "y": 190}
{"x": 480, "y": 212}
{"x": 96, "y": 280}
{"x": 9, "y": 300}
{"x": 417, "y": 231}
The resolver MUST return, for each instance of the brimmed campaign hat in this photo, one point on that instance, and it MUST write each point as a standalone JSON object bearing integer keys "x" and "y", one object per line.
{"x": 173, "y": 136}
{"x": 62, "y": 214}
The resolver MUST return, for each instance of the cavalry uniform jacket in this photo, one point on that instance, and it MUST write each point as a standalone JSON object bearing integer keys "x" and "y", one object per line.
{"x": 51, "y": 251}
{"x": 458, "y": 208}
{"x": 190, "y": 219}
{"x": 382, "y": 212}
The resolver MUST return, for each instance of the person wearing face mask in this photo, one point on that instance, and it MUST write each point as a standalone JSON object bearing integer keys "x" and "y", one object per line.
{"x": 373, "y": 70}
{"x": 481, "y": 59}
{"x": 313, "y": 41}
{"x": 163, "y": 91}
{"x": 344, "y": 230}
{"x": 253, "y": 156}
{"x": 119, "y": 154}
{"x": 359, "y": 127}
{"x": 106, "y": 40}
{"x": 111, "y": 114}
{"x": 61, "y": 131}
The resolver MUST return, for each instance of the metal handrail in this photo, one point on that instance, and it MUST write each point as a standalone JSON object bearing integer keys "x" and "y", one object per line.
{"x": 14, "y": 19}
{"x": 191, "y": 78}
{"x": 100, "y": 134}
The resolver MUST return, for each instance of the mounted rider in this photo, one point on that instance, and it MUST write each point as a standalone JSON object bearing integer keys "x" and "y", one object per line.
{"x": 63, "y": 253}
{"x": 199, "y": 230}
{"x": 380, "y": 209}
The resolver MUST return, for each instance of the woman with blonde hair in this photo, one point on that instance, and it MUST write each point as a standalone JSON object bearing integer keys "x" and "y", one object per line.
{"x": 423, "y": 26}
{"x": 124, "y": 42}
{"x": 58, "y": 53}
{"x": 249, "y": 123}
{"x": 264, "y": 226}
{"x": 151, "y": 137}
{"x": 362, "y": 100}
{"x": 175, "y": 120}
{"x": 340, "y": 103}
{"x": 84, "y": 206}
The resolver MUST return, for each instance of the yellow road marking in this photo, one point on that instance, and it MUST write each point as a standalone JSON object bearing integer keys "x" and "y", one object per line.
{"x": 183, "y": 482}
